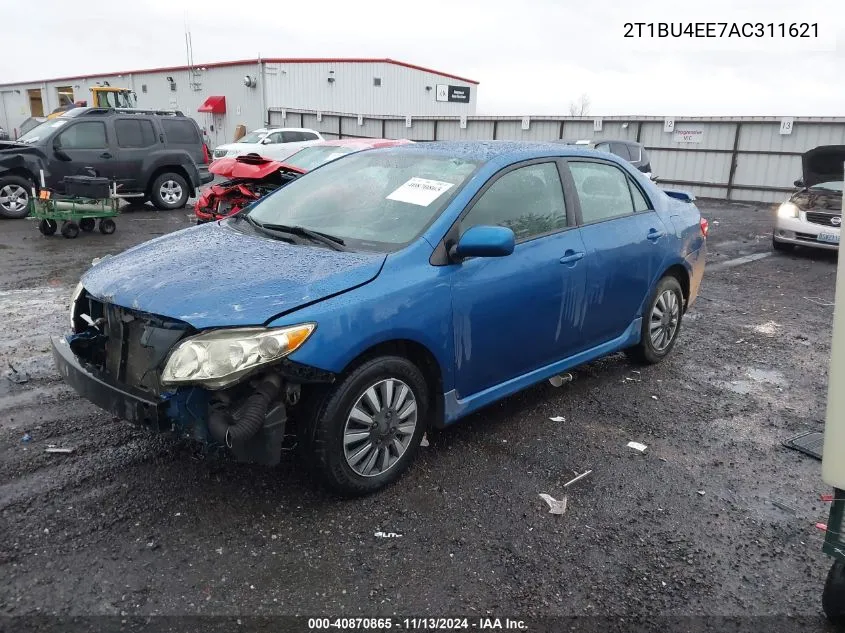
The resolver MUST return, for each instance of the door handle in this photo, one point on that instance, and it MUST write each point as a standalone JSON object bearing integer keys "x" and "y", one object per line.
{"x": 570, "y": 257}
{"x": 655, "y": 235}
{"x": 105, "y": 155}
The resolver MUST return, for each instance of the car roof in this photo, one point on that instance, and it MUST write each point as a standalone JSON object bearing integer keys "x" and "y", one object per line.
{"x": 364, "y": 143}
{"x": 506, "y": 151}
{"x": 284, "y": 129}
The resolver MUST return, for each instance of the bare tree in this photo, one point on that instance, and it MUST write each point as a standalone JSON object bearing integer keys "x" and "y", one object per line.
{"x": 580, "y": 107}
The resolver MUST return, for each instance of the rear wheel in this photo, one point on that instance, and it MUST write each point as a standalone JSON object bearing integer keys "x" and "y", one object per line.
{"x": 783, "y": 247}
{"x": 107, "y": 226}
{"x": 70, "y": 230}
{"x": 368, "y": 429}
{"x": 169, "y": 191}
{"x": 661, "y": 323}
{"x": 14, "y": 197}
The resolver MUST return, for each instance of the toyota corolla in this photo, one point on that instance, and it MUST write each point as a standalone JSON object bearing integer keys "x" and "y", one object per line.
{"x": 384, "y": 293}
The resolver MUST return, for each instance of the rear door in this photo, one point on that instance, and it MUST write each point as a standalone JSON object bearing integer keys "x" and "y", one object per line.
{"x": 625, "y": 242}
{"x": 87, "y": 145}
{"x": 136, "y": 138}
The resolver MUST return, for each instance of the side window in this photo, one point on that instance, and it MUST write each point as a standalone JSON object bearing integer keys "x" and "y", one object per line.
{"x": 640, "y": 203}
{"x": 134, "y": 133}
{"x": 310, "y": 136}
{"x": 276, "y": 137}
{"x": 603, "y": 191}
{"x": 528, "y": 200}
{"x": 636, "y": 152}
{"x": 621, "y": 150}
{"x": 87, "y": 135}
{"x": 180, "y": 131}
{"x": 291, "y": 137}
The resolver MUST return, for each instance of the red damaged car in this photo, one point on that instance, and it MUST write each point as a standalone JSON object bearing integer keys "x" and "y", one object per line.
{"x": 251, "y": 177}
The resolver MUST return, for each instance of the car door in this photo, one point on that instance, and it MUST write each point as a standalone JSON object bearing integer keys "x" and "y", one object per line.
{"x": 80, "y": 147}
{"x": 515, "y": 314}
{"x": 625, "y": 243}
{"x": 136, "y": 138}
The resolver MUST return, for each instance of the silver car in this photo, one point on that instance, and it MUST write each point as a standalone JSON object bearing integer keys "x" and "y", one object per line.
{"x": 812, "y": 216}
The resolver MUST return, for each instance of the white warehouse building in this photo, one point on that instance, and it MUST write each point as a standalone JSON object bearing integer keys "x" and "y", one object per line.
{"x": 223, "y": 95}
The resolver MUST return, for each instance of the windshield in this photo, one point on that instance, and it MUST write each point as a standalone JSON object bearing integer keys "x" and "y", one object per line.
{"x": 832, "y": 185}
{"x": 372, "y": 200}
{"x": 42, "y": 131}
{"x": 314, "y": 156}
{"x": 253, "y": 137}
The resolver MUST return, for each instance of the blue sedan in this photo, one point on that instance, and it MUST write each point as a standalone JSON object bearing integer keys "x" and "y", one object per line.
{"x": 384, "y": 293}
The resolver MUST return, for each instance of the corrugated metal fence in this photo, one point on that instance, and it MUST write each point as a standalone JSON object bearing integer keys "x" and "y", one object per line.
{"x": 734, "y": 158}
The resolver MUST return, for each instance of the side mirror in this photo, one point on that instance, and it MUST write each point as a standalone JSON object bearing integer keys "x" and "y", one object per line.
{"x": 799, "y": 183}
{"x": 59, "y": 152}
{"x": 484, "y": 241}
{"x": 266, "y": 140}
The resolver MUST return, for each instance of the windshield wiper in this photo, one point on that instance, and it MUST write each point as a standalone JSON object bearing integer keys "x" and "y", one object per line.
{"x": 331, "y": 241}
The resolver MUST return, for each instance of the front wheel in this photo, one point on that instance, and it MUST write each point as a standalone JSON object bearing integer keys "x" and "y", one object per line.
{"x": 661, "y": 323}
{"x": 169, "y": 191}
{"x": 783, "y": 247}
{"x": 370, "y": 426}
{"x": 14, "y": 197}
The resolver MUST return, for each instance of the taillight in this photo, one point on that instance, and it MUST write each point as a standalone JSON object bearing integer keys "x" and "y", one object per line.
{"x": 206, "y": 158}
{"x": 705, "y": 227}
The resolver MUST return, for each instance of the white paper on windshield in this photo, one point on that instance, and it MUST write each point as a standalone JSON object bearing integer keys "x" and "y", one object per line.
{"x": 420, "y": 191}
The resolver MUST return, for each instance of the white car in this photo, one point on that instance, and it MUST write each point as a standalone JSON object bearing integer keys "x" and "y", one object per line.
{"x": 276, "y": 142}
{"x": 812, "y": 216}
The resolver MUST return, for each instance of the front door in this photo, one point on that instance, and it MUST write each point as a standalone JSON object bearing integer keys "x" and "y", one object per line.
{"x": 86, "y": 144}
{"x": 515, "y": 314}
{"x": 625, "y": 241}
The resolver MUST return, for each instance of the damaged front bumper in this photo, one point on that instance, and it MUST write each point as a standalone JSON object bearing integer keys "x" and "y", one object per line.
{"x": 186, "y": 411}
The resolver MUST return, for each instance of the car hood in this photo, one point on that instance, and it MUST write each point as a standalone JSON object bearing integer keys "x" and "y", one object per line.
{"x": 823, "y": 164}
{"x": 214, "y": 275}
{"x": 250, "y": 167}
{"x": 13, "y": 147}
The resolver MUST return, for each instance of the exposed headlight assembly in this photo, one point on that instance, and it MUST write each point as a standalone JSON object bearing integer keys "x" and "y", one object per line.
{"x": 73, "y": 299}
{"x": 788, "y": 211}
{"x": 219, "y": 358}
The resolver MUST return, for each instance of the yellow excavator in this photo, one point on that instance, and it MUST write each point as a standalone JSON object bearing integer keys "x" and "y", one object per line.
{"x": 101, "y": 97}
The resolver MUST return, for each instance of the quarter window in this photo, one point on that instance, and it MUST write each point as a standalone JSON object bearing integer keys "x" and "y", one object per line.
{"x": 603, "y": 191}
{"x": 180, "y": 131}
{"x": 528, "y": 200}
{"x": 640, "y": 203}
{"x": 87, "y": 135}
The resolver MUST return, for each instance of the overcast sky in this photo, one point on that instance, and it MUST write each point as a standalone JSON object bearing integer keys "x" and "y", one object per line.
{"x": 531, "y": 56}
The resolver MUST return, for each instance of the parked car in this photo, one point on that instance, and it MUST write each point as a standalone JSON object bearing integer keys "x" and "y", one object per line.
{"x": 384, "y": 293}
{"x": 251, "y": 177}
{"x": 275, "y": 142}
{"x": 150, "y": 155}
{"x": 632, "y": 151}
{"x": 4, "y": 135}
{"x": 812, "y": 216}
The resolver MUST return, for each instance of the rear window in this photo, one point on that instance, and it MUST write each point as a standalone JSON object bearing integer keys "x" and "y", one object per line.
{"x": 180, "y": 131}
{"x": 621, "y": 150}
{"x": 134, "y": 133}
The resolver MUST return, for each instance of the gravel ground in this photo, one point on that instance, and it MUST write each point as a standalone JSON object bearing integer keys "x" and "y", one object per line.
{"x": 714, "y": 519}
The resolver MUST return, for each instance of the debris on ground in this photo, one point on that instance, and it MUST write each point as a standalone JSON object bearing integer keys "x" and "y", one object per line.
{"x": 826, "y": 498}
{"x": 821, "y": 526}
{"x": 784, "y": 507}
{"x": 557, "y": 381}
{"x": 26, "y": 438}
{"x": 701, "y": 493}
{"x": 820, "y": 301}
{"x": 637, "y": 446}
{"x": 56, "y": 449}
{"x": 654, "y": 397}
{"x": 17, "y": 377}
{"x": 424, "y": 441}
{"x": 769, "y": 328}
{"x": 581, "y": 476}
{"x": 558, "y": 418}
{"x": 387, "y": 535}
{"x": 555, "y": 506}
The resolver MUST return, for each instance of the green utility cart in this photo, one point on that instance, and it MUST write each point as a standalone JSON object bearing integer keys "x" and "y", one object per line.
{"x": 88, "y": 201}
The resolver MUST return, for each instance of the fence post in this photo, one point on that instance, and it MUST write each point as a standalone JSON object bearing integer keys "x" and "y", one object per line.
{"x": 434, "y": 132}
{"x": 560, "y": 130}
{"x": 495, "y": 128}
{"x": 734, "y": 159}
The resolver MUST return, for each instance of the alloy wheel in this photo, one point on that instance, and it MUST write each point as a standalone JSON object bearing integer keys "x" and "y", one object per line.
{"x": 663, "y": 323}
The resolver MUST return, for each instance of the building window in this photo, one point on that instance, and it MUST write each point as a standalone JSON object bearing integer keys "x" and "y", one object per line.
{"x": 377, "y": 81}
{"x": 64, "y": 95}
{"x": 143, "y": 87}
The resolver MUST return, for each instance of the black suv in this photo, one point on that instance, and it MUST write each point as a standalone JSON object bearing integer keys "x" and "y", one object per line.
{"x": 151, "y": 155}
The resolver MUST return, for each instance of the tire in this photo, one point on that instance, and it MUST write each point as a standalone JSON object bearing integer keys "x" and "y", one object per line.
{"x": 47, "y": 227}
{"x": 782, "y": 247}
{"x": 14, "y": 197}
{"x": 347, "y": 466}
{"x": 87, "y": 224}
{"x": 833, "y": 598}
{"x": 70, "y": 230}
{"x": 169, "y": 191}
{"x": 647, "y": 351}
{"x": 107, "y": 226}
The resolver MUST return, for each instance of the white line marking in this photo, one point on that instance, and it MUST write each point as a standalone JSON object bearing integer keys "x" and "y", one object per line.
{"x": 739, "y": 261}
